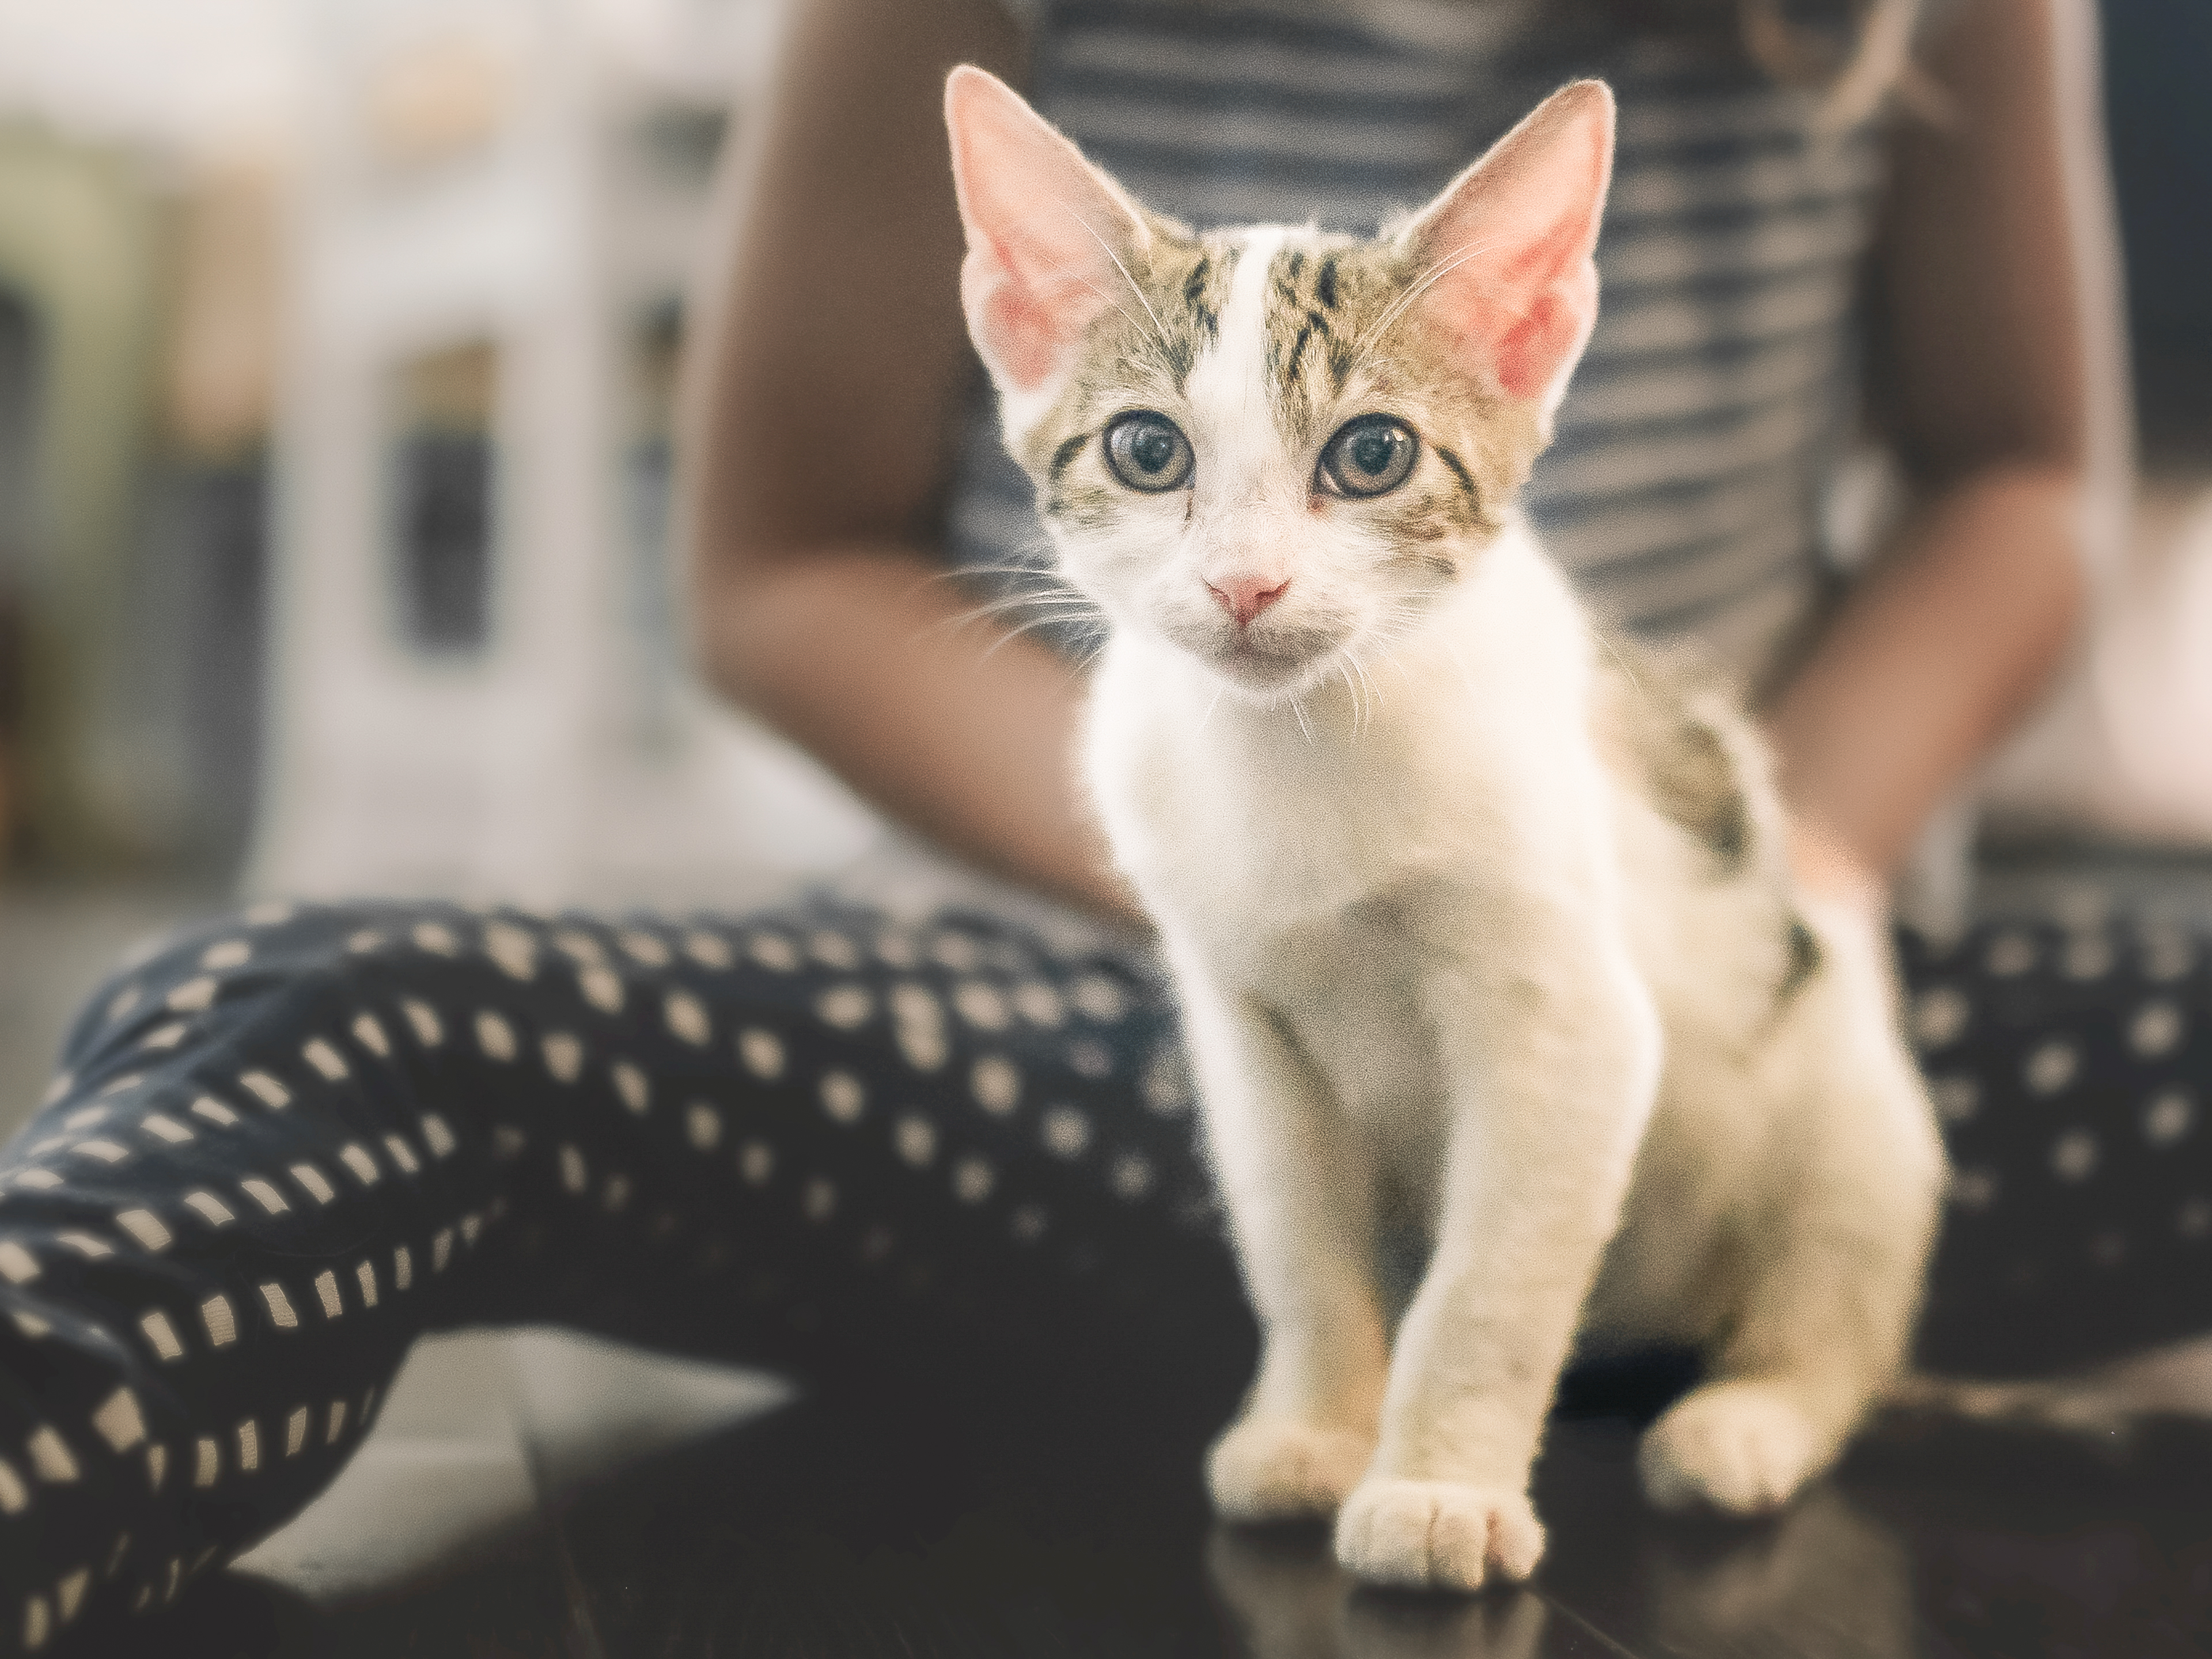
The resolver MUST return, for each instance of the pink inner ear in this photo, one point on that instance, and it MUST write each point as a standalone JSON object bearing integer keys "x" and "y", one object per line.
{"x": 1039, "y": 220}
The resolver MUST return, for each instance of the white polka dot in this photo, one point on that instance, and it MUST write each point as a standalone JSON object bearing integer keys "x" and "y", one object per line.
{"x": 708, "y": 950}
{"x": 279, "y": 1304}
{"x": 973, "y": 1178}
{"x": 2194, "y": 1219}
{"x": 1039, "y": 1004}
{"x": 423, "y": 1019}
{"x": 146, "y": 1227}
{"x": 687, "y": 1018}
{"x": 601, "y": 987}
{"x": 2087, "y": 956}
{"x": 773, "y": 952}
{"x": 359, "y": 1159}
{"x": 2168, "y": 954}
{"x": 996, "y": 1084}
{"x": 105, "y": 1150}
{"x": 164, "y": 1128}
{"x": 573, "y": 1175}
{"x": 918, "y": 1024}
{"x": 564, "y": 1055}
{"x": 981, "y": 1004}
{"x": 86, "y": 1244}
{"x": 122, "y": 1003}
{"x": 1940, "y": 1014}
{"x": 818, "y": 1202}
{"x": 1065, "y": 1131}
{"x": 756, "y": 1162}
{"x": 61, "y": 1086}
{"x": 842, "y": 1097}
{"x": 230, "y": 953}
{"x": 2168, "y": 1117}
{"x": 165, "y": 1036}
{"x": 441, "y": 1249}
{"x": 495, "y": 1036}
{"x": 38, "y": 1623}
{"x": 336, "y": 1422}
{"x": 295, "y": 1433}
{"x": 437, "y": 1135}
{"x": 211, "y": 1209}
{"x": 2010, "y": 954}
{"x": 955, "y": 951}
{"x": 1131, "y": 1178}
{"x": 402, "y": 1154}
{"x": 69, "y": 1593}
{"x": 317, "y": 1184}
{"x": 1974, "y": 1190}
{"x": 2073, "y": 1155}
{"x": 214, "y": 1111}
{"x": 219, "y": 1321}
{"x": 161, "y": 1336}
{"x": 846, "y": 1007}
{"x": 514, "y": 951}
{"x": 193, "y": 996}
{"x": 1099, "y": 997}
{"x": 579, "y": 947}
{"x": 17, "y": 1264}
{"x": 271, "y": 1201}
{"x": 2156, "y": 1030}
{"x": 268, "y": 913}
{"x": 366, "y": 940}
{"x": 1957, "y": 1098}
{"x": 265, "y": 1089}
{"x": 1090, "y": 1058}
{"x": 2051, "y": 1067}
{"x": 15, "y": 1495}
{"x": 833, "y": 950}
{"x": 364, "y": 1275}
{"x": 325, "y": 1060}
{"x": 1027, "y": 1224}
{"x": 435, "y": 937}
{"x": 895, "y": 949}
{"x": 642, "y": 947}
{"x": 703, "y": 1125}
{"x": 915, "y": 1137}
{"x": 369, "y": 1031}
{"x": 119, "y": 1422}
{"x": 631, "y": 1085}
{"x": 51, "y": 1460}
{"x": 761, "y": 1052}
{"x": 86, "y": 1118}
{"x": 118, "y": 1085}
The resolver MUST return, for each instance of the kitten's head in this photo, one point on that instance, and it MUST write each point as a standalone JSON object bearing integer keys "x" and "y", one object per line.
{"x": 1269, "y": 446}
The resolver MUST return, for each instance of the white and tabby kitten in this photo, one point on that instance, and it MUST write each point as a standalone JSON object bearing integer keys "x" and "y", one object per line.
{"x": 1476, "y": 923}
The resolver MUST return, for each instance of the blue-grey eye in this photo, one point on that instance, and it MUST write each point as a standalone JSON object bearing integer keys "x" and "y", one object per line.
{"x": 1370, "y": 456}
{"x": 1148, "y": 451}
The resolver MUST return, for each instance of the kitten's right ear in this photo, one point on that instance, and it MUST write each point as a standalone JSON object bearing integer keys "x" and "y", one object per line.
{"x": 1045, "y": 232}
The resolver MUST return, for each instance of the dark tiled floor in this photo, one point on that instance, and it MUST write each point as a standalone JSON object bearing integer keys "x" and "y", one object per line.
{"x": 812, "y": 1531}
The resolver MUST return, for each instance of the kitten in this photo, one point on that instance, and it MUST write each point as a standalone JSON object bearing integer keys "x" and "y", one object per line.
{"x": 1473, "y": 920}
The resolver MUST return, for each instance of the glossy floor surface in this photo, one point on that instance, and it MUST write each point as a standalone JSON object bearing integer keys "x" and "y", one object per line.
{"x": 800, "y": 1527}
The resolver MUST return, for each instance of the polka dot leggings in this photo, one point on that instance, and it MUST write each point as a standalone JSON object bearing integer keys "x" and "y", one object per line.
{"x": 935, "y": 1156}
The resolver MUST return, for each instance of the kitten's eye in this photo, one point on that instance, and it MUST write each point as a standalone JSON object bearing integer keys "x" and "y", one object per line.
{"x": 1370, "y": 456}
{"x": 1148, "y": 451}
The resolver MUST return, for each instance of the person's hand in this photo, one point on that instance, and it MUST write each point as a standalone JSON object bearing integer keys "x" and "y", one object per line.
{"x": 1827, "y": 868}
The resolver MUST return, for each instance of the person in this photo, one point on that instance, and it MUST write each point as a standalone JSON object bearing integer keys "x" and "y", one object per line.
{"x": 954, "y": 1145}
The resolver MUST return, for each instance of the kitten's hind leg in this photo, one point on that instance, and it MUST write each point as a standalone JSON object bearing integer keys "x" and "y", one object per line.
{"x": 1297, "y": 1180}
{"x": 1831, "y": 1265}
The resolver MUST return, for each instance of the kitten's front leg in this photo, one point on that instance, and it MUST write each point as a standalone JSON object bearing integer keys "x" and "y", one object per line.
{"x": 1551, "y": 1067}
{"x": 1298, "y": 1182}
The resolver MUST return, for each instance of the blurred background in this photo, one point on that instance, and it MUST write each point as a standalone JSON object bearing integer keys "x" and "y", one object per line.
{"x": 337, "y": 345}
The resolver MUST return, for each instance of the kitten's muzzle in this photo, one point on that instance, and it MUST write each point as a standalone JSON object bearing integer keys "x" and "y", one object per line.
{"x": 1245, "y": 597}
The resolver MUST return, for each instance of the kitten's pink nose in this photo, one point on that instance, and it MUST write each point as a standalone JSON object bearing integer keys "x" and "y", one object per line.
{"x": 1246, "y": 597}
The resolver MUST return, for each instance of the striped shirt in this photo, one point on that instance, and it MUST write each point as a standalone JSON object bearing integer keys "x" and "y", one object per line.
{"x": 1696, "y": 442}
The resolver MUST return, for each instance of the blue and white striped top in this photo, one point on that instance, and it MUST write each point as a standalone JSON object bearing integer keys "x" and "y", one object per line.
{"x": 1696, "y": 440}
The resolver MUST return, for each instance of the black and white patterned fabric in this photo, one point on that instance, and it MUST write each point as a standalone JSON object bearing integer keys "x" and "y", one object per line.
{"x": 945, "y": 1154}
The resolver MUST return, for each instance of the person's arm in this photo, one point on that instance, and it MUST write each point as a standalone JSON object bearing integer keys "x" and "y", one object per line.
{"x": 823, "y": 394}
{"x": 2006, "y": 398}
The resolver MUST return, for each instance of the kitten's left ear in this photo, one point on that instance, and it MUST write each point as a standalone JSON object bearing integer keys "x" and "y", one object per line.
{"x": 1509, "y": 243}
{"x": 1045, "y": 232}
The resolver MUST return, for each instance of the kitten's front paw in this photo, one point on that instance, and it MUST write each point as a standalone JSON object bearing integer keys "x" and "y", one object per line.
{"x": 1437, "y": 1534}
{"x": 1276, "y": 1468}
{"x": 1739, "y": 1448}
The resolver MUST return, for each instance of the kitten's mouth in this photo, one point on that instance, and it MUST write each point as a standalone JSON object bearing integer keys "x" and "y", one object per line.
{"x": 1266, "y": 666}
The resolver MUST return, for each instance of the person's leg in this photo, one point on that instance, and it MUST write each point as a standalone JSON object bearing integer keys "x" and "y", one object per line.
{"x": 2071, "y": 1065}
{"x": 287, "y": 1144}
